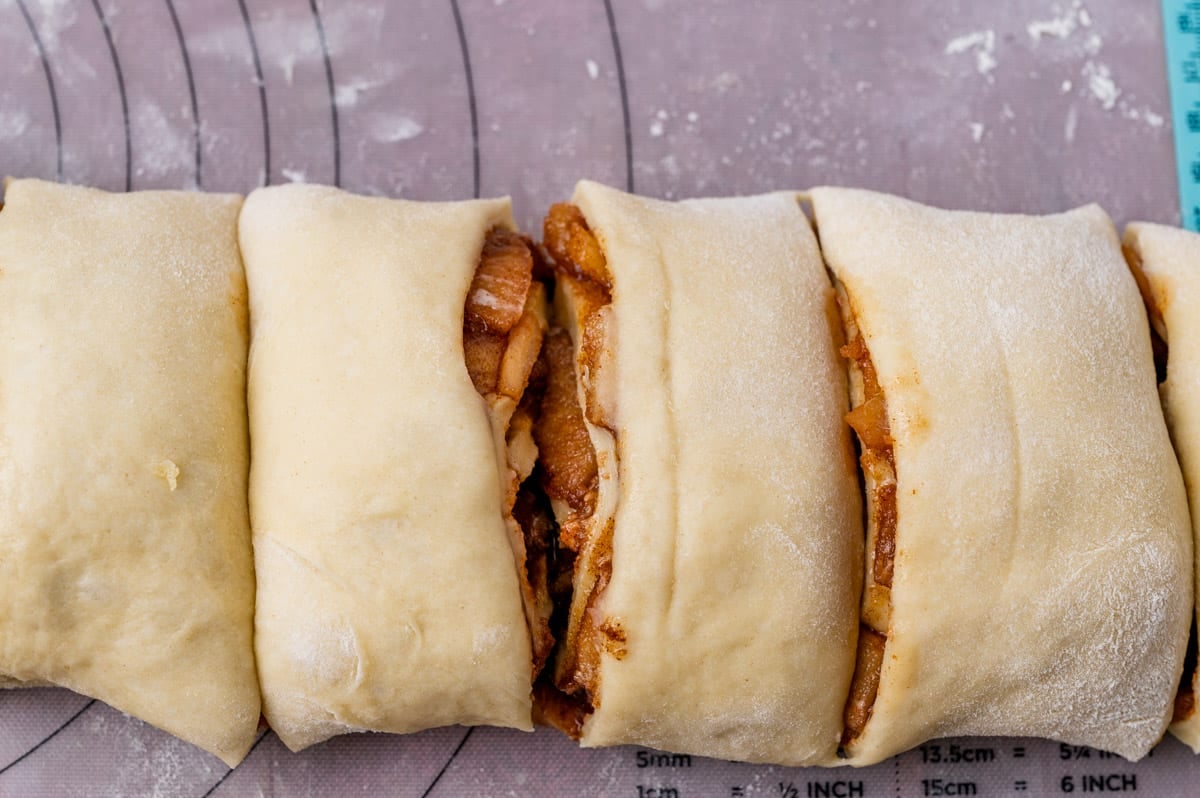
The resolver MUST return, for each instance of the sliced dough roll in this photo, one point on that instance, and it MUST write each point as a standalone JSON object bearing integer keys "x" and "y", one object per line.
{"x": 1040, "y": 577}
{"x": 1166, "y": 262}
{"x": 125, "y": 563}
{"x": 702, "y": 477}
{"x": 390, "y": 573}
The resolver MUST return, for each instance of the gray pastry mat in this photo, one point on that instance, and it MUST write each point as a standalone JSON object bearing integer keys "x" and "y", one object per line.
{"x": 1029, "y": 105}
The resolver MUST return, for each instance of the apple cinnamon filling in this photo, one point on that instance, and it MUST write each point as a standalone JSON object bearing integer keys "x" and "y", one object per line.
{"x": 1185, "y": 698}
{"x": 869, "y": 420}
{"x": 577, "y": 411}
{"x": 1158, "y": 326}
{"x": 503, "y": 327}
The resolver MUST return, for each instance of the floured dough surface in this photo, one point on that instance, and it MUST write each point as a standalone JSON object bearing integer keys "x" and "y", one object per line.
{"x": 125, "y": 562}
{"x": 387, "y": 593}
{"x": 737, "y": 537}
{"x": 1042, "y": 581}
{"x": 1170, "y": 259}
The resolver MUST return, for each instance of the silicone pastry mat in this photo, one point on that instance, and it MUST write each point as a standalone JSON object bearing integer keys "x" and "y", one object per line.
{"x": 1028, "y": 105}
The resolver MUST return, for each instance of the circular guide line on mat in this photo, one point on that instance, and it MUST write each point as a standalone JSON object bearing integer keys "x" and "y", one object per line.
{"x": 466, "y": 58}
{"x": 211, "y": 790}
{"x": 616, "y": 43}
{"x": 91, "y": 702}
{"x": 262, "y": 91}
{"x": 41, "y": 50}
{"x": 191, "y": 82}
{"x": 333, "y": 111}
{"x": 116, "y": 62}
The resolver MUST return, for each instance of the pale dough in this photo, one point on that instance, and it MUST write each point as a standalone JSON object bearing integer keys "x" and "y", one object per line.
{"x": 387, "y": 594}
{"x": 1170, "y": 259}
{"x": 125, "y": 564}
{"x": 737, "y": 530}
{"x": 1043, "y": 572}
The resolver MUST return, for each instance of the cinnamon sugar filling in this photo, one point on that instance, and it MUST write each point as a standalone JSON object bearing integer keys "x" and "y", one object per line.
{"x": 503, "y": 325}
{"x": 1158, "y": 327}
{"x": 1185, "y": 698}
{"x": 570, "y": 470}
{"x": 870, "y": 423}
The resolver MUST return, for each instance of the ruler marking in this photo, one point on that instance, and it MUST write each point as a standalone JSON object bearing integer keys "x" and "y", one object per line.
{"x": 1181, "y": 37}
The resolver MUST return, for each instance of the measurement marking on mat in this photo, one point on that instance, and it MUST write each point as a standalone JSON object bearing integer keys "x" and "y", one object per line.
{"x": 654, "y": 759}
{"x": 657, "y": 792}
{"x": 1069, "y": 753}
{"x": 1099, "y": 782}
{"x": 834, "y": 789}
{"x": 943, "y": 787}
{"x": 935, "y": 753}
{"x": 1181, "y": 34}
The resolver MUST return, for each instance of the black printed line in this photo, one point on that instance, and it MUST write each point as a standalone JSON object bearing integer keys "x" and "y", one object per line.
{"x": 466, "y": 57}
{"x": 616, "y": 43}
{"x": 333, "y": 112}
{"x": 262, "y": 93}
{"x": 449, "y": 761}
{"x": 49, "y": 736}
{"x": 37, "y": 41}
{"x": 229, "y": 772}
{"x": 191, "y": 81}
{"x": 112, "y": 51}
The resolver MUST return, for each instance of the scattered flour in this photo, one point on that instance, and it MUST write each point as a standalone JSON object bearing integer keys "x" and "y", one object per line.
{"x": 982, "y": 43}
{"x": 1101, "y": 84}
{"x": 294, "y": 175}
{"x": 593, "y": 69}
{"x": 1070, "y": 125}
{"x": 162, "y": 147}
{"x": 346, "y": 94}
{"x": 977, "y": 129}
{"x": 486, "y": 641}
{"x": 56, "y": 17}
{"x": 1069, "y": 32}
{"x": 1062, "y": 25}
{"x": 13, "y": 123}
{"x": 391, "y": 128}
